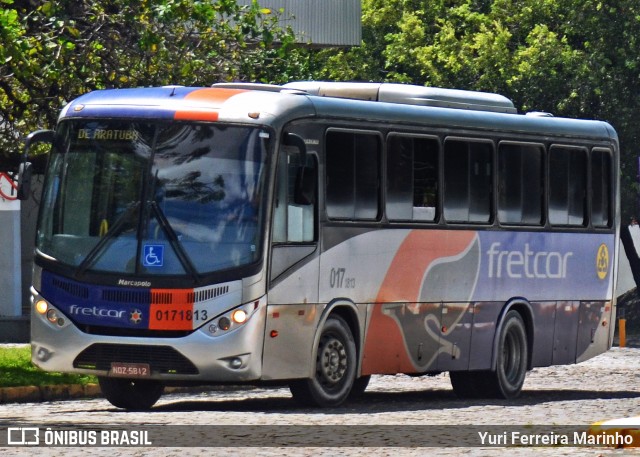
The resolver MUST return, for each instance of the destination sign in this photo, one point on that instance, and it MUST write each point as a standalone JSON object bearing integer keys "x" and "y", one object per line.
{"x": 108, "y": 134}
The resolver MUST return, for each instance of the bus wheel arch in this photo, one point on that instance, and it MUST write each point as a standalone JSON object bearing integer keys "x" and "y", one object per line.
{"x": 524, "y": 309}
{"x": 335, "y": 360}
{"x": 511, "y": 359}
{"x": 350, "y": 314}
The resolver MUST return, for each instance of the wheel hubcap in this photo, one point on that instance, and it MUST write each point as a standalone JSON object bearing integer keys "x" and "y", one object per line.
{"x": 332, "y": 361}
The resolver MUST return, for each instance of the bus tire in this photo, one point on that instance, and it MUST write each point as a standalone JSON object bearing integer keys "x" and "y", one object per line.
{"x": 467, "y": 384}
{"x": 133, "y": 394}
{"x": 359, "y": 386}
{"x": 335, "y": 367}
{"x": 513, "y": 355}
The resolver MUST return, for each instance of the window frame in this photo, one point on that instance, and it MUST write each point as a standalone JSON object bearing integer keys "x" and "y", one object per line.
{"x": 586, "y": 210}
{"x": 543, "y": 187}
{"x": 377, "y": 135}
{"x": 311, "y": 159}
{"x": 491, "y": 180}
{"x": 610, "y": 203}
{"x": 438, "y": 179}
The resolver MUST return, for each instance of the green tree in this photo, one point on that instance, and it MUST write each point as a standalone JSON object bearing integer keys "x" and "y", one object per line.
{"x": 577, "y": 58}
{"x": 52, "y": 51}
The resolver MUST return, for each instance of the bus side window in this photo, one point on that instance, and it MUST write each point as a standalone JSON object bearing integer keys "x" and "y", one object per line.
{"x": 567, "y": 186}
{"x": 353, "y": 175}
{"x": 412, "y": 178}
{"x": 520, "y": 183}
{"x": 601, "y": 192}
{"x": 468, "y": 178}
{"x": 293, "y": 222}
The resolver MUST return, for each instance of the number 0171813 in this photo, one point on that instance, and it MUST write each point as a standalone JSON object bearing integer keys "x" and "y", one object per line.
{"x": 176, "y": 317}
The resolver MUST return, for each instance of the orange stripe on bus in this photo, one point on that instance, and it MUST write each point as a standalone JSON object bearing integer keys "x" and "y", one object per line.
{"x": 208, "y": 101}
{"x": 419, "y": 249}
{"x": 196, "y": 115}
{"x": 172, "y": 296}
{"x": 171, "y": 317}
{"x": 385, "y": 350}
{"x": 171, "y": 309}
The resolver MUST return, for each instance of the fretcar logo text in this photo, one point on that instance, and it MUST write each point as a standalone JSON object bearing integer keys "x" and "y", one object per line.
{"x": 527, "y": 263}
{"x": 96, "y": 312}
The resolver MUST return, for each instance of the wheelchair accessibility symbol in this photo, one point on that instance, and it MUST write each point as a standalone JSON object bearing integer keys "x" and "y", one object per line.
{"x": 153, "y": 255}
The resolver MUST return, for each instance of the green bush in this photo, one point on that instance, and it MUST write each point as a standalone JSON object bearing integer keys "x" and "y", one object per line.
{"x": 16, "y": 369}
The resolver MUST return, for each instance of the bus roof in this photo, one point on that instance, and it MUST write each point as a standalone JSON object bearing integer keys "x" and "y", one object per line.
{"x": 380, "y": 103}
{"x": 179, "y": 103}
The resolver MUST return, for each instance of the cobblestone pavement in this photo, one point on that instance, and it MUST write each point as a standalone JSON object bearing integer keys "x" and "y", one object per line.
{"x": 602, "y": 388}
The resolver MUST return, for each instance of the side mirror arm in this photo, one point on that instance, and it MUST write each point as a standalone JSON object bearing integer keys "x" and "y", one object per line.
{"x": 26, "y": 170}
{"x": 306, "y": 177}
{"x": 24, "y": 180}
{"x": 292, "y": 139}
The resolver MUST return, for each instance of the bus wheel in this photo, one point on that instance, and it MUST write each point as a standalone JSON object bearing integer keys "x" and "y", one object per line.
{"x": 131, "y": 394}
{"x": 506, "y": 382}
{"x": 335, "y": 368}
{"x": 513, "y": 353}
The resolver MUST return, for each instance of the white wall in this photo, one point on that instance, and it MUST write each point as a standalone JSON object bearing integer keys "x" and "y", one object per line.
{"x": 10, "y": 254}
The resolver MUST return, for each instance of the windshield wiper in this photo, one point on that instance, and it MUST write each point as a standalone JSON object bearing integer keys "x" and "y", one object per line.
{"x": 171, "y": 235}
{"x": 114, "y": 231}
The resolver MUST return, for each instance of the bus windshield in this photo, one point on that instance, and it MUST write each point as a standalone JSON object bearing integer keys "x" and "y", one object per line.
{"x": 154, "y": 198}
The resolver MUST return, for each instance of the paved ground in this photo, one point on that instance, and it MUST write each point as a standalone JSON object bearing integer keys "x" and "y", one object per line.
{"x": 603, "y": 388}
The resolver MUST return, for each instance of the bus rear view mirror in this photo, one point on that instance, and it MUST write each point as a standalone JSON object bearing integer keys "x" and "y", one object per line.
{"x": 24, "y": 180}
{"x": 26, "y": 169}
{"x": 291, "y": 139}
{"x": 306, "y": 178}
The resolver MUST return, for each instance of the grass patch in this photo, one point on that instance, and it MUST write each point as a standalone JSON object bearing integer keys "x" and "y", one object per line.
{"x": 16, "y": 370}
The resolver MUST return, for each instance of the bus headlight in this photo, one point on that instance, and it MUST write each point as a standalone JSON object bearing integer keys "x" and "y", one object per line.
{"x": 41, "y": 306}
{"x": 50, "y": 313}
{"x": 239, "y": 316}
{"x": 233, "y": 319}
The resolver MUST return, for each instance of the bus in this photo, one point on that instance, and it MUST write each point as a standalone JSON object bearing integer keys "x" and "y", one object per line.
{"x": 317, "y": 233}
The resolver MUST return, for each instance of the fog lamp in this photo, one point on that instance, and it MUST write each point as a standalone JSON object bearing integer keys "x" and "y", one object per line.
{"x": 224, "y": 323}
{"x": 43, "y": 354}
{"x": 52, "y": 316}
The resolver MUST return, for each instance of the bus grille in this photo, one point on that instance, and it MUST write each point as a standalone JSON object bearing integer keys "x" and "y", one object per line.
{"x": 161, "y": 359}
{"x": 133, "y": 332}
{"x": 125, "y": 296}
{"x": 72, "y": 288}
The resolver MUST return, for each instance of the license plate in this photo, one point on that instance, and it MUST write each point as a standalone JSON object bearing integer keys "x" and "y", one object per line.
{"x": 130, "y": 370}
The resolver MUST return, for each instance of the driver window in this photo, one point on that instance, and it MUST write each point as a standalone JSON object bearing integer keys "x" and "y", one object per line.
{"x": 293, "y": 222}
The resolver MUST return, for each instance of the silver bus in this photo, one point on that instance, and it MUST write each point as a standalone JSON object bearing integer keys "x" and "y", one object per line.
{"x": 315, "y": 234}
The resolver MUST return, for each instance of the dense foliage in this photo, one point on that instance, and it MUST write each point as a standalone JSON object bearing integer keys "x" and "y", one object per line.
{"x": 575, "y": 58}
{"x": 52, "y": 51}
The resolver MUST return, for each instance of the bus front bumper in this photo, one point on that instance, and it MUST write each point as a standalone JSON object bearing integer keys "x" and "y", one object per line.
{"x": 235, "y": 356}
